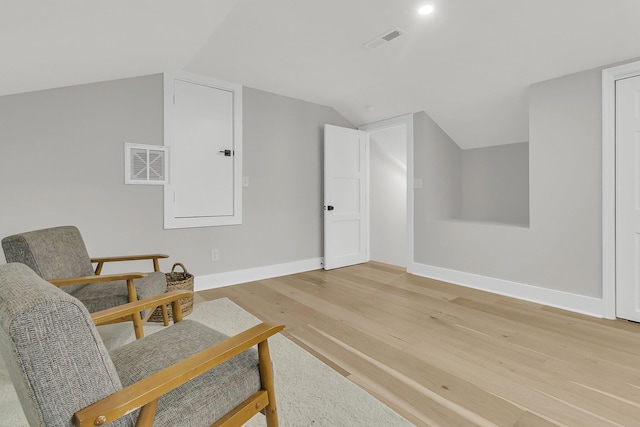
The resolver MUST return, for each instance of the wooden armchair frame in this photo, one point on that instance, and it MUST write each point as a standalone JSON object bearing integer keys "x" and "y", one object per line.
{"x": 145, "y": 393}
{"x": 59, "y": 254}
{"x": 100, "y": 261}
{"x": 134, "y": 317}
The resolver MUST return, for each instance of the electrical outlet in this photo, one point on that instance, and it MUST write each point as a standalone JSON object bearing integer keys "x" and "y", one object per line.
{"x": 215, "y": 255}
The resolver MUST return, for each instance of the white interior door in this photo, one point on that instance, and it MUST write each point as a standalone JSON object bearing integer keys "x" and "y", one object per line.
{"x": 346, "y": 227}
{"x": 628, "y": 198}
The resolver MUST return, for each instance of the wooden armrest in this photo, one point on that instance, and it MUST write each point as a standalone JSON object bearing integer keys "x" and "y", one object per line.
{"x": 129, "y": 258}
{"x": 95, "y": 279}
{"x": 105, "y": 316}
{"x": 154, "y": 257}
{"x": 154, "y": 386}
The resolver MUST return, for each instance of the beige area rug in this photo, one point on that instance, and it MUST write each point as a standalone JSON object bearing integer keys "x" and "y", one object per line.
{"x": 309, "y": 392}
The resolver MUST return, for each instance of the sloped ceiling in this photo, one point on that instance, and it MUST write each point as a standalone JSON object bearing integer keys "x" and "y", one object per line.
{"x": 468, "y": 65}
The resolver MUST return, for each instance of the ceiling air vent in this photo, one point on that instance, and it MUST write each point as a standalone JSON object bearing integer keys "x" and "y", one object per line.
{"x": 384, "y": 39}
{"x": 145, "y": 164}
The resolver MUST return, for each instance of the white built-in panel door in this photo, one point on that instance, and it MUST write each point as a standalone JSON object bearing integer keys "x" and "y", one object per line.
{"x": 628, "y": 198}
{"x": 203, "y": 129}
{"x": 345, "y": 197}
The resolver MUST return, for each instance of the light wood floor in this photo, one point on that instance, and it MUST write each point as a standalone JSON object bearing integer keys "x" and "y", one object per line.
{"x": 445, "y": 355}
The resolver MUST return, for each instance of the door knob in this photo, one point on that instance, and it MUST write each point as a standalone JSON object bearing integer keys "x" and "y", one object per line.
{"x": 330, "y": 208}
{"x": 227, "y": 153}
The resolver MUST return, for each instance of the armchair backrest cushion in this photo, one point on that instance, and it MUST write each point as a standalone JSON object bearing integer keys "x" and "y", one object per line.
{"x": 55, "y": 357}
{"x": 53, "y": 253}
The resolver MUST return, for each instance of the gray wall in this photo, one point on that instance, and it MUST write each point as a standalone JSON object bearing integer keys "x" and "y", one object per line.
{"x": 561, "y": 249}
{"x": 61, "y": 162}
{"x": 489, "y": 184}
{"x": 438, "y": 163}
{"x": 495, "y": 184}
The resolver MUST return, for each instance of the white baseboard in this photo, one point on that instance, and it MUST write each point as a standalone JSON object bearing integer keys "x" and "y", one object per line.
{"x": 553, "y": 298}
{"x": 219, "y": 280}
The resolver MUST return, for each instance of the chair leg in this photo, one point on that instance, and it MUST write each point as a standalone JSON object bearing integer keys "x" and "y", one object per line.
{"x": 176, "y": 311}
{"x": 266, "y": 377}
{"x": 147, "y": 414}
{"x": 165, "y": 314}
{"x": 137, "y": 320}
{"x": 138, "y": 325}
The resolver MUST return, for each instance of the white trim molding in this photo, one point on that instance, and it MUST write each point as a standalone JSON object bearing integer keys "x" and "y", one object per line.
{"x": 228, "y": 278}
{"x": 609, "y": 78}
{"x": 549, "y": 297}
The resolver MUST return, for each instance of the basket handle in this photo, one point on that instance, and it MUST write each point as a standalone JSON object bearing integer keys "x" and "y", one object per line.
{"x": 185, "y": 272}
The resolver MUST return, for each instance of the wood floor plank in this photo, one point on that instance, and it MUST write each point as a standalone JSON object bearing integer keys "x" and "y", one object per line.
{"x": 425, "y": 397}
{"x": 445, "y": 355}
{"x": 512, "y": 376}
{"x": 533, "y": 420}
{"x": 446, "y": 389}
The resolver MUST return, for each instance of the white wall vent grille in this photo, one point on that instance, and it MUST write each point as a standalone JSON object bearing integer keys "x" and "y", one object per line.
{"x": 384, "y": 39}
{"x": 145, "y": 164}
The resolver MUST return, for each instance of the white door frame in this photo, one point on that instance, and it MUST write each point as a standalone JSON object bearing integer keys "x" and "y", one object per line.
{"x": 407, "y": 121}
{"x": 609, "y": 77}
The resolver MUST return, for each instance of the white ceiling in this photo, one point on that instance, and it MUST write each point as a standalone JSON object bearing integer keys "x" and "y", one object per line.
{"x": 468, "y": 65}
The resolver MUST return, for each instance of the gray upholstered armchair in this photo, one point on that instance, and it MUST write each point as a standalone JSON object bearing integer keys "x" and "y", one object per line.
{"x": 184, "y": 375}
{"x": 60, "y": 256}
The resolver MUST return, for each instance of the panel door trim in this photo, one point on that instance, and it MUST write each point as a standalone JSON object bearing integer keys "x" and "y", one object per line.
{"x": 609, "y": 77}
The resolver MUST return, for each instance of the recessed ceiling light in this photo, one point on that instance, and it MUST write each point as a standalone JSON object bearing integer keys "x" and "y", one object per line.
{"x": 425, "y": 10}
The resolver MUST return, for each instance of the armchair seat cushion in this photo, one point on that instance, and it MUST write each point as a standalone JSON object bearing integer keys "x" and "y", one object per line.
{"x": 103, "y": 295}
{"x": 202, "y": 400}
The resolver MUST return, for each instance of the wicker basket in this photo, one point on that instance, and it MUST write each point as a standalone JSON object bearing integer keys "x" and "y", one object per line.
{"x": 177, "y": 281}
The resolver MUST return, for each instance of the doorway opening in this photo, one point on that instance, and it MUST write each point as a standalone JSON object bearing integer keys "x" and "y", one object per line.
{"x": 390, "y": 195}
